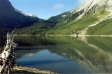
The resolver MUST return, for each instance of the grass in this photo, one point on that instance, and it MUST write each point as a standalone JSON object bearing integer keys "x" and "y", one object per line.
{"x": 103, "y": 28}
{"x": 74, "y": 26}
{"x": 69, "y": 25}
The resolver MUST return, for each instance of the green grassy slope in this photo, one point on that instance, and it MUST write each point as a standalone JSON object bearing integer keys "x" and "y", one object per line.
{"x": 67, "y": 25}
{"x": 74, "y": 26}
{"x": 103, "y": 28}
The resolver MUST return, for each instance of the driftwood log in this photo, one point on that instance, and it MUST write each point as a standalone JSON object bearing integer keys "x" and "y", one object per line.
{"x": 7, "y": 57}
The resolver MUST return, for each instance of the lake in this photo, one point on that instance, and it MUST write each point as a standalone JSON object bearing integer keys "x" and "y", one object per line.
{"x": 66, "y": 55}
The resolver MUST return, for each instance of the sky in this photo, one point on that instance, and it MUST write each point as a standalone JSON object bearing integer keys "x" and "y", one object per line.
{"x": 46, "y": 8}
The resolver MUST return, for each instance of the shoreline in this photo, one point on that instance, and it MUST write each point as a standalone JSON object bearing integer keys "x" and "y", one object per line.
{"x": 69, "y": 35}
{"x": 28, "y": 70}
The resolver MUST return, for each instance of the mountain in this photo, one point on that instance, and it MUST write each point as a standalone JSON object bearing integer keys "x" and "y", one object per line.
{"x": 93, "y": 18}
{"x": 38, "y": 28}
{"x": 13, "y": 18}
{"x": 85, "y": 19}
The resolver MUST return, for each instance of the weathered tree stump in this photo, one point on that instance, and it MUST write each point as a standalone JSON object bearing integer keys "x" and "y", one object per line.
{"x": 7, "y": 57}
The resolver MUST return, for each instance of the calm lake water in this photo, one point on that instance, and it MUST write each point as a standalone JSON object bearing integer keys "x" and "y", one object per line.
{"x": 66, "y": 55}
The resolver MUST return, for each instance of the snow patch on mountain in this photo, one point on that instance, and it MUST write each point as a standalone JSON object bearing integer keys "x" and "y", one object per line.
{"x": 64, "y": 15}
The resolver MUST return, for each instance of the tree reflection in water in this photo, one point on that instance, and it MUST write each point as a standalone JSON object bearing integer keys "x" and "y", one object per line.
{"x": 94, "y": 53}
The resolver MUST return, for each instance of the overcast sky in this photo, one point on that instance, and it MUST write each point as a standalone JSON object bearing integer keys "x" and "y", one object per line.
{"x": 46, "y": 8}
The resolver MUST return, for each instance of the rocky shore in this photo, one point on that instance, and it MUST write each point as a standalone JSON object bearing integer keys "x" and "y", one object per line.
{"x": 26, "y": 70}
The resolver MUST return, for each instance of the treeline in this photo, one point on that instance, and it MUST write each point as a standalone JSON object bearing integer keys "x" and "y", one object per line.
{"x": 37, "y": 28}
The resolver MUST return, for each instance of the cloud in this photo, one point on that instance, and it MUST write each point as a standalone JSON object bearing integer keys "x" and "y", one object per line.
{"x": 58, "y": 6}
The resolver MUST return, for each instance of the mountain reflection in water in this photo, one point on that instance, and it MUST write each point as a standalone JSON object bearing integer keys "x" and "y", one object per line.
{"x": 66, "y": 54}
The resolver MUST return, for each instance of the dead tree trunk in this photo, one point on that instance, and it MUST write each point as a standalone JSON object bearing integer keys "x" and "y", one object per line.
{"x": 8, "y": 55}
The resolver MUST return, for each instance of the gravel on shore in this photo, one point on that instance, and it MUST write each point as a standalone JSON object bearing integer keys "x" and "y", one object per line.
{"x": 27, "y": 70}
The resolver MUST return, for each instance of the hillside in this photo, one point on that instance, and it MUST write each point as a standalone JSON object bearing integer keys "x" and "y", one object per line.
{"x": 87, "y": 19}
{"x": 11, "y": 18}
{"x": 38, "y": 28}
